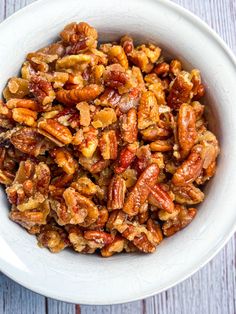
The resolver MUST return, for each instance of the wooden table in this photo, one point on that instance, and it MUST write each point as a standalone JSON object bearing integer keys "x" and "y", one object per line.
{"x": 213, "y": 289}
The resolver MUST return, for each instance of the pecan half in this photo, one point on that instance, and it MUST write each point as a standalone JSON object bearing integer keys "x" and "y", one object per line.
{"x": 116, "y": 193}
{"x": 55, "y": 131}
{"x": 141, "y": 190}
{"x": 108, "y": 145}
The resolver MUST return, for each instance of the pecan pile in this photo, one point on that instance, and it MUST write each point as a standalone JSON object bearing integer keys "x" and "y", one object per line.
{"x": 104, "y": 147}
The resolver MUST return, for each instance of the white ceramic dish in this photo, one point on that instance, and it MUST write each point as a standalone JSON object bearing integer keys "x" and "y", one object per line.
{"x": 92, "y": 279}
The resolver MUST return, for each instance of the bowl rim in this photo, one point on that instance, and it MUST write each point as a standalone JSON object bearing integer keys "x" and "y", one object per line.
{"x": 211, "y": 253}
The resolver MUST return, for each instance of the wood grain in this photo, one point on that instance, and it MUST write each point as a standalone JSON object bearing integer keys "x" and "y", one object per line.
{"x": 210, "y": 291}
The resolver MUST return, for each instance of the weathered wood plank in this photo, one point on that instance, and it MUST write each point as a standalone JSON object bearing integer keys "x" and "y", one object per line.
{"x": 57, "y": 307}
{"x": 16, "y": 299}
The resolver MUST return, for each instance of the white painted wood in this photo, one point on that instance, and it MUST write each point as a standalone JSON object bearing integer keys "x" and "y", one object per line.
{"x": 15, "y": 299}
{"x": 57, "y": 307}
{"x": 212, "y": 289}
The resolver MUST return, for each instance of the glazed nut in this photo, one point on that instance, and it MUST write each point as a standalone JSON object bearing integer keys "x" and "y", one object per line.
{"x": 84, "y": 110}
{"x": 55, "y": 131}
{"x": 161, "y": 146}
{"x": 89, "y": 143}
{"x": 189, "y": 170}
{"x": 22, "y": 103}
{"x": 175, "y": 67}
{"x": 28, "y": 141}
{"x": 74, "y": 96}
{"x": 64, "y": 160}
{"x": 24, "y": 116}
{"x": 180, "y": 91}
{"x": 162, "y": 69}
{"x": 16, "y": 88}
{"x": 116, "y": 193}
{"x": 128, "y": 126}
{"x": 141, "y": 190}
{"x": 126, "y": 157}
{"x": 116, "y": 246}
{"x": 187, "y": 133}
{"x": 147, "y": 110}
{"x": 104, "y": 118}
{"x": 100, "y": 237}
{"x": 108, "y": 145}
{"x": 161, "y": 199}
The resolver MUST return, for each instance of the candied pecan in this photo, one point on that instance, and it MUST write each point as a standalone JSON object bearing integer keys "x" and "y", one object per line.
{"x": 115, "y": 77}
{"x": 31, "y": 218}
{"x": 209, "y": 148}
{"x": 180, "y": 91}
{"x": 127, "y": 44}
{"x": 145, "y": 239}
{"x": 76, "y": 32}
{"x": 175, "y": 67}
{"x": 40, "y": 61}
{"x": 101, "y": 221}
{"x": 155, "y": 85}
{"x": 130, "y": 177}
{"x": 55, "y": 131}
{"x": 85, "y": 186}
{"x": 16, "y": 88}
{"x": 184, "y": 217}
{"x": 29, "y": 141}
{"x": 162, "y": 145}
{"x": 100, "y": 237}
{"x": 79, "y": 243}
{"x": 56, "y": 48}
{"x": 129, "y": 100}
{"x": 6, "y": 177}
{"x": 22, "y": 103}
{"x": 143, "y": 216}
{"x": 53, "y": 237}
{"x": 104, "y": 118}
{"x": 116, "y": 246}
{"x": 42, "y": 91}
{"x": 188, "y": 194}
{"x": 153, "y": 133}
{"x": 145, "y": 57}
{"x": 126, "y": 157}
{"x": 94, "y": 164}
{"x": 24, "y": 116}
{"x": 89, "y": 143}
{"x": 110, "y": 97}
{"x": 79, "y": 207}
{"x": 141, "y": 190}
{"x": 73, "y": 96}
{"x": 108, "y": 145}
{"x": 187, "y": 133}
{"x": 84, "y": 110}
{"x": 160, "y": 198}
{"x": 75, "y": 62}
{"x": 116, "y": 193}
{"x": 64, "y": 160}
{"x": 30, "y": 186}
{"x": 162, "y": 69}
{"x": 143, "y": 155}
{"x": 189, "y": 170}
{"x": 116, "y": 54}
{"x": 147, "y": 110}
{"x": 128, "y": 126}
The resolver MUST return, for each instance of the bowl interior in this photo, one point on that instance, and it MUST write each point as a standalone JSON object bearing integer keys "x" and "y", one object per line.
{"x": 125, "y": 277}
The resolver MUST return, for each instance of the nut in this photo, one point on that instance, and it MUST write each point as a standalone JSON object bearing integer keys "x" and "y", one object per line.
{"x": 116, "y": 193}
{"x": 108, "y": 145}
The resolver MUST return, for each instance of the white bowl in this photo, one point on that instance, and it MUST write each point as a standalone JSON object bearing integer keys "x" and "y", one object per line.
{"x": 91, "y": 279}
